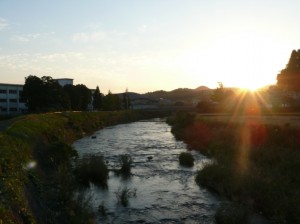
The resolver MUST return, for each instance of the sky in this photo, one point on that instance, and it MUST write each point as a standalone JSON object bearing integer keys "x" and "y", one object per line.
{"x": 148, "y": 45}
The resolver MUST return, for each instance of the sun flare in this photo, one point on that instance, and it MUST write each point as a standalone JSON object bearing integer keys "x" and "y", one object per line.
{"x": 239, "y": 60}
{"x": 250, "y": 86}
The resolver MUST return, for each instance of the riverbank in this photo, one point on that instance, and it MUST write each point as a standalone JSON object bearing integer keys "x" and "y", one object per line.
{"x": 256, "y": 165}
{"x": 36, "y": 179}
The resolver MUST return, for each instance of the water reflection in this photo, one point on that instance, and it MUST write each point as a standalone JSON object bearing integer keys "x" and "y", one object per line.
{"x": 165, "y": 191}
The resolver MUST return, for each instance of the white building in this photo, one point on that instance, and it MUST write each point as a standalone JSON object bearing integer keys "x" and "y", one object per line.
{"x": 10, "y": 101}
{"x": 64, "y": 81}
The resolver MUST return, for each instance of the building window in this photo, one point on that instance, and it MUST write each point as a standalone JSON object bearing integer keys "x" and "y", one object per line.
{"x": 12, "y": 91}
{"x": 13, "y": 100}
{"x": 3, "y": 91}
{"x": 4, "y": 109}
{"x": 3, "y": 100}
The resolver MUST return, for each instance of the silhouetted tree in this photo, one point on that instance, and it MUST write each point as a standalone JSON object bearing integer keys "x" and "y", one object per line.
{"x": 41, "y": 94}
{"x": 222, "y": 97}
{"x": 52, "y": 93}
{"x": 70, "y": 101}
{"x": 289, "y": 78}
{"x": 219, "y": 94}
{"x": 111, "y": 102}
{"x": 32, "y": 91}
{"x": 83, "y": 97}
{"x": 205, "y": 106}
{"x": 97, "y": 99}
{"x": 76, "y": 97}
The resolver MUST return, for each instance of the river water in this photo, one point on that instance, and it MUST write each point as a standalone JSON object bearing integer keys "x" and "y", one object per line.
{"x": 165, "y": 191}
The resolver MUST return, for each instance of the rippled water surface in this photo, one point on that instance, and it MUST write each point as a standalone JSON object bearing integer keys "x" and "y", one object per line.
{"x": 165, "y": 191}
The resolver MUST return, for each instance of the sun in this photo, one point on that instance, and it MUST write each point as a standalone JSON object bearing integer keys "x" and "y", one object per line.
{"x": 250, "y": 86}
{"x": 246, "y": 60}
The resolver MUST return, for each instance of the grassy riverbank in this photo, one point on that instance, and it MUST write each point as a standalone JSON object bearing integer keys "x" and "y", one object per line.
{"x": 36, "y": 178}
{"x": 255, "y": 165}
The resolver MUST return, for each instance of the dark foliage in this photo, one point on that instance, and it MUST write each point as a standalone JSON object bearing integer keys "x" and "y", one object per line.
{"x": 179, "y": 122}
{"x": 111, "y": 102}
{"x": 230, "y": 213}
{"x": 45, "y": 94}
{"x": 92, "y": 169}
{"x": 125, "y": 162}
{"x": 97, "y": 99}
{"x": 42, "y": 94}
{"x": 186, "y": 159}
{"x": 254, "y": 165}
{"x": 56, "y": 155}
{"x": 123, "y": 195}
{"x": 289, "y": 78}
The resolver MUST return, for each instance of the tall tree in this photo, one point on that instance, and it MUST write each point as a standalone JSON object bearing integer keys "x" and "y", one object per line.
{"x": 111, "y": 102}
{"x": 222, "y": 97}
{"x": 32, "y": 93}
{"x": 289, "y": 78}
{"x": 70, "y": 98}
{"x": 84, "y": 97}
{"x": 52, "y": 93}
{"x": 41, "y": 94}
{"x": 219, "y": 94}
{"x": 97, "y": 99}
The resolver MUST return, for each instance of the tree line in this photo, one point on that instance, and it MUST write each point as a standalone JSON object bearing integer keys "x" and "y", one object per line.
{"x": 46, "y": 94}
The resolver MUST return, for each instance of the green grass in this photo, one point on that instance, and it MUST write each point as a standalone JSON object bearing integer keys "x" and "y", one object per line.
{"x": 33, "y": 194}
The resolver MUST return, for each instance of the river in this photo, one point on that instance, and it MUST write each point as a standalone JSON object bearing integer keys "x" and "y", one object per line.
{"x": 165, "y": 191}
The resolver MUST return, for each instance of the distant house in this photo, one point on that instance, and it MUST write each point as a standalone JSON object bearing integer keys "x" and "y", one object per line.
{"x": 166, "y": 102}
{"x": 143, "y": 103}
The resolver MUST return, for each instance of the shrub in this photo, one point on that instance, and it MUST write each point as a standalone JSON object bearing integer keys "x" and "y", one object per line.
{"x": 92, "y": 168}
{"x": 80, "y": 210}
{"x": 230, "y": 213}
{"x": 186, "y": 159}
{"x": 124, "y": 194}
{"x": 102, "y": 209}
{"x": 57, "y": 154}
{"x": 125, "y": 162}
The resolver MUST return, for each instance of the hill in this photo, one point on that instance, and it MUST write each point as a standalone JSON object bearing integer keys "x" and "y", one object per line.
{"x": 181, "y": 94}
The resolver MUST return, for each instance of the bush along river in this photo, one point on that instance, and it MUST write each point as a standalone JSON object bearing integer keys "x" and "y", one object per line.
{"x": 158, "y": 189}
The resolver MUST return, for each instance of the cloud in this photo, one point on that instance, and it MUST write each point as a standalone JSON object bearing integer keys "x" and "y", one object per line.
{"x": 20, "y": 38}
{"x": 3, "y": 23}
{"x": 29, "y": 37}
{"x": 40, "y": 62}
{"x": 67, "y": 56}
{"x": 89, "y": 37}
{"x": 26, "y": 37}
